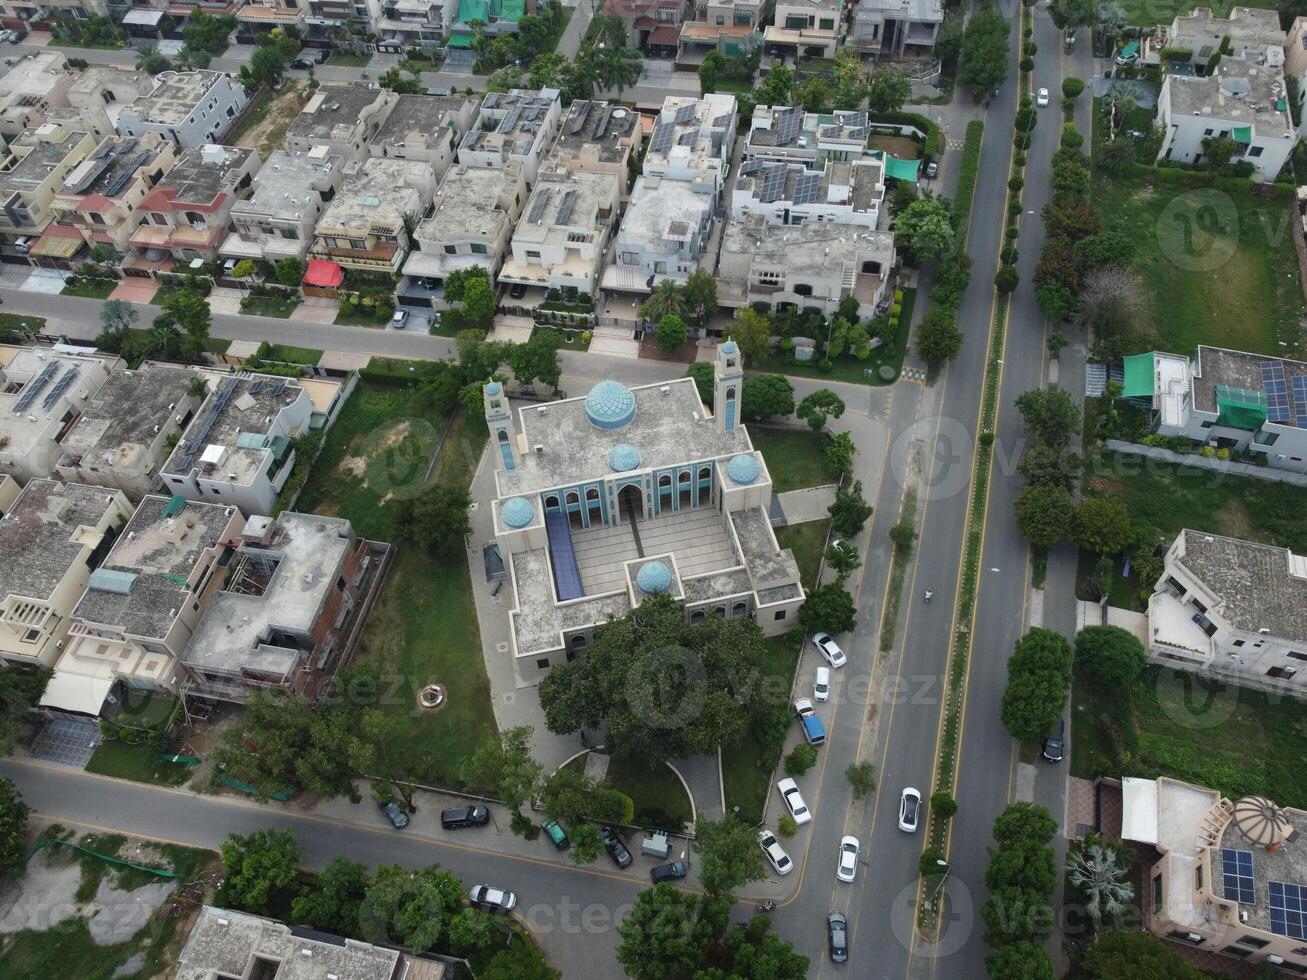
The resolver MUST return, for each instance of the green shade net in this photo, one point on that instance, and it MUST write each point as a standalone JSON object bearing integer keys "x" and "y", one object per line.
{"x": 469, "y": 10}
{"x": 1243, "y": 134}
{"x": 1139, "y": 377}
{"x": 899, "y": 169}
{"x": 1240, "y": 408}
{"x": 459, "y": 41}
{"x": 512, "y": 10}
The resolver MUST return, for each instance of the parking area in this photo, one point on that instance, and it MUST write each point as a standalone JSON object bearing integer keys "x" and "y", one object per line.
{"x": 67, "y": 740}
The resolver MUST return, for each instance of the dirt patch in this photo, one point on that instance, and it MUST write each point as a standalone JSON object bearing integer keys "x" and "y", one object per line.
{"x": 903, "y": 147}
{"x": 265, "y": 129}
{"x": 353, "y": 465}
{"x": 1236, "y": 521}
{"x": 1104, "y": 485}
{"x": 685, "y": 354}
{"x": 394, "y": 437}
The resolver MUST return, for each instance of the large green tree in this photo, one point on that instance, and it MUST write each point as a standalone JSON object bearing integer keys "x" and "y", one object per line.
{"x": 1039, "y": 674}
{"x": 752, "y": 332}
{"x": 478, "y": 303}
{"x": 887, "y": 90}
{"x": 820, "y": 406}
{"x": 13, "y": 827}
{"x": 729, "y": 856}
{"x": 1113, "y": 657}
{"x": 504, "y": 764}
{"x": 1051, "y": 415}
{"x": 257, "y": 869}
{"x": 751, "y": 951}
{"x": 850, "y": 511}
{"x": 923, "y": 230}
{"x": 333, "y": 904}
{"x": 668, "y": 298}
{"x": 828, "y": 608}
{"x": 410, "y": 909}
{"x": 437, "y": 519}
{"x": 1122, "y": 955}
{"x": 700, "y": 293}
{"x": 20, "y": 690}
{"x": 938, "y": 337}
{"x": 671, "y": 333}
{"x": 983, "y": 61}
{"x": 1021, "y": 960}
{"x": 1043, "y": 514}
{"x": 1102, "y": 525}
{"x": 663, "y": 935}
{"x": 765, "y": 396}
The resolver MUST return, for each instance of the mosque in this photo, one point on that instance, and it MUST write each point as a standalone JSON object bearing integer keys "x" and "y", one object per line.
{"x": 626, "y": 493}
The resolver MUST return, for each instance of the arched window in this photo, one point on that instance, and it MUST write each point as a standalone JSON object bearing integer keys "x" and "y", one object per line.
{"x": 685, "y": 476}
{"x": 665, "y": 480}
{"x": 739, "y": 609}
{"x": 592, "y": 496}
{"x": 870, "y": 268}
{"x": 579, "y": 641}
{"x": 705, "y": 472}
{"x": 719, "y": 612}
{"x": 697, "y": 616}
{"x": 551, "y": 502}
{"x": 802, "y": 289}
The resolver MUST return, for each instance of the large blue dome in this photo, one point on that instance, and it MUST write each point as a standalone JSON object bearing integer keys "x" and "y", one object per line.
{"x": 653, "y": 577}
{"x": 623, "y": 457}
{"x": 743, "y": 469}
{"x": 494, "y": 388}
{"x": 729, "y": 347}
{"x": 610, "y": 405}
{"x": 517, "y": 512}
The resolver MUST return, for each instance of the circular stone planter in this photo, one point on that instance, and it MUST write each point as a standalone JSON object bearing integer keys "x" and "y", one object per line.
{"x": 432, "y": 697}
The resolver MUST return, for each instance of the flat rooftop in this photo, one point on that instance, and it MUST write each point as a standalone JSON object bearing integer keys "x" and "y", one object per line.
{"x": 236, "y": 633}
{"x": 691, "y": 132}
{"x": 34, "y": 75}
{"x": 1236, "y": 369}
{"x": 1260, "y": 586}
{"x": 919, "y": 10}
{"x": 773, "y": 127}
{"x": 1240, "y": 91}
{"x": 813, "y": 248}
{"x": 467, "y": 203}
{"x": 175, "y": 95}
{"x": 333, "y": 113}
{"x": 564, "y": 201}
{"x": 419, "y": 116}
{"x": 49, "y": 148}
{"x": 575, "y": 450}
{"x": 202, "y": 173}
{"x": 510, "y": 122}
{"x": 859, "y": 186}
{"x": 94, "y": 77}
{"x": 108, "y": 171}
{"x": 50, "y": 382}
{"x": 126, "y": 413}
{"x": 1287, "y": 866}
{"x": 539, "y": 621}
{"x": 607, "y": 131}
{"x": 41, "y": 536}
{"x": 286, "y": 185}
{"x": 662, "y": 211}
{"x": 769, "y": 565}
{"x": 381, "y": 192}
{"x": 232, "y": 426}
{"x": 153, "y": 558}
{"x": 1244, "y": 26}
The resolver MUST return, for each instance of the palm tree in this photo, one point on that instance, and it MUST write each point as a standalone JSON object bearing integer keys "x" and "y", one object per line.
{"x": 667, "y": 299}
{"x": 1119, "y": 100}
{"x": 1097, "y": 871}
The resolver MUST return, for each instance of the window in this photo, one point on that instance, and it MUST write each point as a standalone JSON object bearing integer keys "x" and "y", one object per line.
{"x": 1204, "y": 623}
{"x": 290, "y": 233}
{"x": 31, "y": 636}
{"x": 532, "y": 255}
{"x": 231, "y": 111}
{"x": 451, "y": 250}
{"x": 1157, "y": 894}
{"x": 357, "y": 243}
{"x": 1238, "y": 951}
{"x": 1207, "y": 132}
{"x": 1253, "y": 941}
{"x": 1283, "y": 673}
{"x": 780, "y": 615}
{"x": 1294, "y": 654}
{"x": 97, "y": 218}
{"x": 1197, "y": 605}
{"x": 542, "y": 663}
{"x": 1254, "y": 151}
{"x": 1180, "y": 936}
{"x": 827, "y": 24}
{"x": 1206, "y": 424}
{"x": 1265, "y": 438}
{"x": 478, "y": 249}
{"x": 697, "y": 616}
{"x": 1240, "y": 643}
{"x": 340, "y": 584}
{"x": 660, "y": 268}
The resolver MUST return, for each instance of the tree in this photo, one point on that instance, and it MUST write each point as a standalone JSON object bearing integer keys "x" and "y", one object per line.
{"x": 942, "y": 804}
{"x": 705, "y": 376}
{"x": 1039, "y": 673}
{"x": 1122, "y": 955}
{"x": 189, "y": 312}
{"x": 267, "y": 66}
{"x": 766, "y": 395}
{"x": 751, "y": 331}
{"x": 20, "y": 690}
{"x": 800, "y": 759}
{"x": 437, "y": 519}
{"x": 850, "y": 89}
{"x": 751, "y": 950}
{"x": 818, "y": 407}
{"x": 1051, "y": 415}
{"x": 1021, "y": 960}
{"x": 506, "y": 764}
{"x": 410, "y": 909}
{"x": 571, "y": 797}
{"x": 394, "y": 81}
{"x": 206, "y": 33}
{"x": 1072, "y": 14}
{"x": 504, "y": 79}
{"x": 862, "y": 778}
{"x": 813, "y": 94}
{"x": 828, "y": 608}
{"x": 1112, "y": 656}
{"x": 1026, "y": 864}
{"x": 1098, "y": 873}
{"x": 1112, "y": 299}
{"x": 713, "y": 64}
{"x": 243, "y": 269}
{"x": 667, "y": 299}
{"x": 903, "y": 535}
{"x": 150, "y": 61}
{"x": 1006, "y": 279}
{"x": 777, "y": 89}
{"x": 662, "y": 688}
{"x": 924, "y": 230}
{"x": 1043, "y": 514}
{"x": 948, "y": 43}
{"x": 938, "y": 336}
{"x": 333, "y": 906}
{"x": 458, "y": 279}
{"x": 256, "y": 868}
{"x": 520, "y": 961}
{"x": 842, "y": 560}
{"x": 13, "y": 827}
{"x": 671, "y": 333}
{"x": 887, "y": 90}
{"x": 470, "y": 931}
{"x": 662, "y": 936}
{"x": 1024, "y": 821}
{"x": 478, "y": 302}
{"x": 700, "y": 293}
{"x": 1102, "y": 524}
{"x": 983, "y": 58}
{"x": 289, "y": 271}
{"x": 729, "y": 856}
{"x": 1218, "y": 151}
{"x": 537, "y": 358}
{"x": 1049, "y": 465}
{"x": 839, "y": 453}
{"x": 586, "y": 843}
{"x": 849, "y": 511}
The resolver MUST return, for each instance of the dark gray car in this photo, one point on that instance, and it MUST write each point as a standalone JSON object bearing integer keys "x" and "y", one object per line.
{"x": 837, "y": 933}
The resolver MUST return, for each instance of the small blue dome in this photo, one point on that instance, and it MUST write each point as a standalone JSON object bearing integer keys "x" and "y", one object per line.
{"x": 653, "y": 577}
{"x": 743, "y": 468}
{"x": 517, "y": 512}
{"x": 610, "y": 405}
{"x": 729, "y": 347}
{"x": 623, "y": 457}
{"x": 494, "y": 388}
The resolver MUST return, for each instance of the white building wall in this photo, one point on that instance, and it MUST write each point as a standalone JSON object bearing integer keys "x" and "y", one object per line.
{"x": 213, "y": 115}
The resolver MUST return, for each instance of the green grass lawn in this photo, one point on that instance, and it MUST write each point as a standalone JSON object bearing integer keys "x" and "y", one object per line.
{"x": 1237, "y": 741}
{"x": 139, "y": 763}
{"x": 269, "y": 306}
{"x": 747, "y": 767}
{"x": 293, "y": 355}
{"x": 361, "y": 317}
{"x": 342, "y": 60}
{"x": 806, "y": 540}
{"x": 1221, "y": 268}
{"x": 658, "y": 794}
{"x": 21, "y": 322}
{"x": 90, "y": 288}
{"x": 796, "y": 458}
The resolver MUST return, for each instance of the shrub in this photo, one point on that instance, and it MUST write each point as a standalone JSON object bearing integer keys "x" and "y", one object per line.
{"x": 1014, "y": 208}
{"x": 1072, "y": 86}
{"x": 1009, "y": 255}
{"x": 1015, "y": 183}
{"x": 801, "y": 758}
{"x": 942, "y": 805}
{"x": 825, "y": 366}
{"x": 786, "y": 826}
{"x": 1020, "y": 160}
{"x": 928, "y": 863}
{"x": 1012, "y": 233}
{"x": 1027, "y": 64}
{"x": 1006, "y": 279}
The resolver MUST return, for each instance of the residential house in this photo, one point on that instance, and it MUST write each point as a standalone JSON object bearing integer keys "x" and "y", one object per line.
{"x": 37, "y": 83}
{"x": 52, "y": 538}
{"x": 123, "y": 434}
{"x": 101, "y": 197}
{"x": 142, "y": 604}
{"x": 792, "y": 194}
{"x": 191, "y": 108}
{"x": 343, "y": 118}
{"x": 366, "y": 225}
{"x": 223, "y": 944}
{"x": 1243, "y": 34}
{"x": 327, "y": 18}
{"x": 35, "y": 166}
{"x": 1219, "y": 877}
{"x": 415, "y": 22}
{"x": 654, "y": 26}
{"x": 787, "y": 134}
{"x": 425, "y": 127}
{"x": 291, "y": 190}
{"x": 187, "y": 212}
{"x": 1239, "y": 100}
{"x": 284, "y": 615}
{"x": 256, "y": 17}
{"x": 471, "y": 222}
{"x": 1245, "y": 403}
{"x": 898, "y": 30}
{"x": 730, "y": 27}
{"x": 100, "y": 92}
{"x": 518, "y": 125}
{"x": 561, "y": 240}
{"x": 600, "y": 138}
{"x": 43, "y": 392}
{"x": 495, "y": 17}
{"x": 28, "y": 14}
{"x": 804, "y": 28}
{"x": 693, "y": 138}
{"x": 1236, "y": 610}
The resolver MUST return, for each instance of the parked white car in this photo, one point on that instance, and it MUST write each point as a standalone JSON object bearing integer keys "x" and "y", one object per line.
{"x": 909, "y": 810}
{"x": 821, "y": 684}
{"x": 1041, "y": 98}
{"x": 848, "y": 866}
{"x": 829, "y": 649}
{"x": 789, "y": 790}
{"x": 776, "y": 856}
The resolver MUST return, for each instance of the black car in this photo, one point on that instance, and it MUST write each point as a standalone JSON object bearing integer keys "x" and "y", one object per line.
{"x": 667, "y": 872}
{"x": 1053, "y": 745}
{"x": 322, "y": 56}
{"x": 837, "y": 935}
{"x": 17, "y": 37}
{"x": 397, "y": 817}
{"x": 457, "y": 817}
{"x": 615, "y": 848}
{"x": 517, "y": 290}
{"x": 301, "y": 64}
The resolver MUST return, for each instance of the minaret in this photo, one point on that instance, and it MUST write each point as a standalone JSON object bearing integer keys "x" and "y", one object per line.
{"x": 499, "y": 420}
{"x": 728, "y": 383}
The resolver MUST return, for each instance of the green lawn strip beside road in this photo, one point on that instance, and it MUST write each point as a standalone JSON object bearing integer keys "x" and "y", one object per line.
{"x": 293, "y": 355}
{"x": 658, "y": 794}
{"x": 89, "y": 287}
{"x": 280, "y": 307}
{"x": 140, "y": 762}
{"x": 340, "y": 59}
{"x": 898, "y": 573}
{"x": 21, "y": 323}
{"x": 796, "y": 458}
{"x": 808, "y": 542}
{"x": 1185, "y": 726}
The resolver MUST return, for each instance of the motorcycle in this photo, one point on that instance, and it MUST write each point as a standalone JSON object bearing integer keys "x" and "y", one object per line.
{"x": 767, "y": 906}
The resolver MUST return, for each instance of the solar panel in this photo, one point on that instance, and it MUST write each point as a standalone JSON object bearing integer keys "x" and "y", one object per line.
{"x": 722, "y": 121}
{"x": 257, "y": 386}
{"x": 1237, "y": 875}
{"x": 510, "y": 120}
{"x": 565, "y": 208}
{"x": 854, "y": 119}
{"x": 538, "y": 208}
{"x": 773, "y": 183}
{"x": 858, "y": 133}
{"x": 662, "y": 138}
{"x": 685, "y": 113}
{"x": 750, "y": 166}
{"x": 601, "y": 123}
{"x": 1300, "y": 399}
{"x": 579, "y": 111}
{"x": 687, "y": 138}
{"x": 787, "y": 126}
{"x": 806, "y": 187}
{"x": 1277, "y": 392}
{"x": 33, "y": 387}
{"x": 1288, "y": 910}
{"x": 61, "y": 386}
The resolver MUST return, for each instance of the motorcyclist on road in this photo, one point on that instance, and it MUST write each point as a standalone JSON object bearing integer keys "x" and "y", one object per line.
{"x": 929, "y": 595}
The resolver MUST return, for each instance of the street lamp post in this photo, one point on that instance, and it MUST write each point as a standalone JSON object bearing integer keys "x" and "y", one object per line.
{"x": 943, "y": 877}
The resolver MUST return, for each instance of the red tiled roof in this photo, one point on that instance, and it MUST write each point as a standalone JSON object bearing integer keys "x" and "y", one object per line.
{"x": 665, "y": 36}
{"x": 94, "y": 202}
{"x": 61, "y": 231}
{"x": 323, "y": 273}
